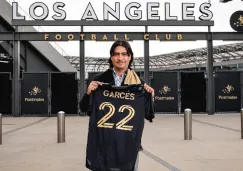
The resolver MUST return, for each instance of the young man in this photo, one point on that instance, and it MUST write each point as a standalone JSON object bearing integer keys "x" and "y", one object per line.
{"x": 121, "y": 57}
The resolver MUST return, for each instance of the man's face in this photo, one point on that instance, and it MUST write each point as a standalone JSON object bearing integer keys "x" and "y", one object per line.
{"x": 120, "y": 58}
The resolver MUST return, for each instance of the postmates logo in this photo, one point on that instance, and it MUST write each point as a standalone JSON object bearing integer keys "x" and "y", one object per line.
{"x": 165, "y": 90}
{"x": 228, "y": 89}
{"x": 35, "y": 91}
{"x": 236, "y": 21}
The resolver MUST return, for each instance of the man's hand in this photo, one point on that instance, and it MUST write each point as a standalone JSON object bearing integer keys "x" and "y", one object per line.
{"x": 93, "y": 86}
{"x": 149, "y": 89}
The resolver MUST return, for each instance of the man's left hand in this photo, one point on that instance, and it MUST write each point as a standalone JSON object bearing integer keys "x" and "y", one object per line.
{"x": 149, "y": 89}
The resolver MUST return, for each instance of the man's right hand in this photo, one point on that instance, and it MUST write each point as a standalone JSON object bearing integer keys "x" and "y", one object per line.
{"x": 93, "y": 86}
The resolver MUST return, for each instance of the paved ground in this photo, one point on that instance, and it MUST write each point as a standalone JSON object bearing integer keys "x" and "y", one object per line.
{"x": 30, "y": 144}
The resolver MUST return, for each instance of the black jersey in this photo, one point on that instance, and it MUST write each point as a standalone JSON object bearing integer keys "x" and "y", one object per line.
{"x": 116, "y": 126}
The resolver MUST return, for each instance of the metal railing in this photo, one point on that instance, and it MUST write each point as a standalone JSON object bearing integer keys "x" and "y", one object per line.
{"x": 21, "y": 11}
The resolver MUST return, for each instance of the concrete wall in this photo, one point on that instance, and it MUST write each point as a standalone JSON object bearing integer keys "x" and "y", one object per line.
{"x": 31, "y": 60}
{"x": 36, "y": 61}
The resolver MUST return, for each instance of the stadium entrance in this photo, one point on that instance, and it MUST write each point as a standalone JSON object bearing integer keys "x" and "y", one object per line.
{"x": 5, "y": 93}
{"x": 193, "y": 91}
{"x": 55, "y": 93}
{"x": 48, "y": 93}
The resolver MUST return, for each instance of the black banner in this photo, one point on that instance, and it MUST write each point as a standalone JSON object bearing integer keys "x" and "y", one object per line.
{"x": 64, "y": 91}
{"x": 165, "y": 86}
{"x": 193, "y": 91}
{"x": 5, "y": 93}
{"x": 227, "y": 92}
{"x": 34, "y": 97}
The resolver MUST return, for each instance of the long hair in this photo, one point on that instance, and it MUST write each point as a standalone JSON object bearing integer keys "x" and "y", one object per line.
{"x": 124, "y": 44}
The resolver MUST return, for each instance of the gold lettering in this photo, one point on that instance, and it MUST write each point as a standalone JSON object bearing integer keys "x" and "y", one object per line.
{"x": 58, "y": 37}
{"x": 46, "y": 36}
{"x": 132, "y": 96}
{"x": 82, "y": 36}
{"x": 115, "y": 38}
{"x": 146, "y": 37}
{"x": 127, "y": 96}
{"x": 117, "y": 94}
{"x": 164, "y": 98}
{"x": 122, "y": 93}
{"x": 156, "y": 37}
{"x": 126, "y": 38}
{"x": 104, "y": 37}
{"x": 70, "y": 37}
{"x": 34, "y": 99}
{"x": 93, "y": 37}
{"x": 106, "y": 93}
{"x": 179, "y": 36}
{"x": 112, "y": 94}
{"x": 168, "y": 36}
{"x": 228, "y": 97}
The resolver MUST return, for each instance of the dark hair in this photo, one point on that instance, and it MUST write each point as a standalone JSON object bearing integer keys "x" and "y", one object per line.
{"x": 124, "y": 44}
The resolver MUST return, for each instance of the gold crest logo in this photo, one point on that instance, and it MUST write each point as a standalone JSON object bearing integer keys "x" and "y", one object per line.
{"x": 240, "y": 20}
{"x": 236, "y": 21}
{"x": 35, "y": 91}
{"x": 228, "y": 89}
{"x": 165, "y": 90}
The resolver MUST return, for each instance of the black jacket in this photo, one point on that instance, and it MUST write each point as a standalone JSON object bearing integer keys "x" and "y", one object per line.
{"x": 105, "y": 77}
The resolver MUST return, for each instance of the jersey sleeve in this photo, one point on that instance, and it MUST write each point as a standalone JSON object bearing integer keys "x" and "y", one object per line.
{"x": 86, "y": 101}
{"x": 149, "y": 107}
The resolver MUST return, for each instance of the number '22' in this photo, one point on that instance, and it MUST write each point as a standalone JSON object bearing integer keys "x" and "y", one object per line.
{"x": 120, "y": 125}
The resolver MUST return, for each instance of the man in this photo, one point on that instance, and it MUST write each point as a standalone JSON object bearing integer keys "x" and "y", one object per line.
{"x": 121, "y": 57}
